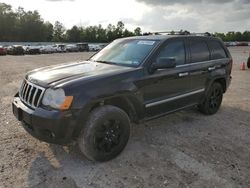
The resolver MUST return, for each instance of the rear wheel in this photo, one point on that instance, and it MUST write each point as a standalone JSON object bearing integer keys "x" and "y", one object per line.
{"x": 105, "y": 133}
{"x": 213, "y": 100}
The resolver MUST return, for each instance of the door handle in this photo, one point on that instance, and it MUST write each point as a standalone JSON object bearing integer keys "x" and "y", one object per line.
{"x": 183, "y": 74}
{"x": 211, "y": 68}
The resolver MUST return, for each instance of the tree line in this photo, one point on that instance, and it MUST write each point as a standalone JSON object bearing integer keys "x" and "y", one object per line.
{"x": 28, "y": 26}
{"x": 234, "y": 36}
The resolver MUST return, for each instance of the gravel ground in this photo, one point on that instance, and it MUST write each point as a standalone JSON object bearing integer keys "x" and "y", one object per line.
{"x": 184, "y": 149}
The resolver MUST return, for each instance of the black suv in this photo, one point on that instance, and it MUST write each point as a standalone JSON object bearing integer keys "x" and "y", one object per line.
{"x": 131, "y": 80}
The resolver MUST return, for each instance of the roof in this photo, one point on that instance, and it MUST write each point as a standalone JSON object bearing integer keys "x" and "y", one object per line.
{"x": 164, "y": 37}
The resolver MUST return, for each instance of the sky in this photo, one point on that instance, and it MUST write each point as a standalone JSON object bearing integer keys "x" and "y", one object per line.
{"x": 150, "y": 15}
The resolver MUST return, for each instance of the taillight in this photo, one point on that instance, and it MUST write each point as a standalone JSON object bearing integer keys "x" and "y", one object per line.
{"x": 230, "y": 66}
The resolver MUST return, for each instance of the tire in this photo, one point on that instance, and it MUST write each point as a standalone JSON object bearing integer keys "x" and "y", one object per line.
{"x": 248, "y": 62}
{"x": 105, "y": 133}
{"x": 213, "y": 99}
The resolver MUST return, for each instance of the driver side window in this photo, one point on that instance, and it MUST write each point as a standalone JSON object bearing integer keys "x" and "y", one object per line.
{"x": 174, "y": 50}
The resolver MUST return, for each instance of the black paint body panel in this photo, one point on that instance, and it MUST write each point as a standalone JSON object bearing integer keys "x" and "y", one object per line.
{"x": 138, "y": 87}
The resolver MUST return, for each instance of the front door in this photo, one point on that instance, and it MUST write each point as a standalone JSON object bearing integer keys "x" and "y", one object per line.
{"x": 166, "y": 90}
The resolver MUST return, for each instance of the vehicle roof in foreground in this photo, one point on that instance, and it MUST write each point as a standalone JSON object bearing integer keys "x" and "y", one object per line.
{"x": 165, "y": 37}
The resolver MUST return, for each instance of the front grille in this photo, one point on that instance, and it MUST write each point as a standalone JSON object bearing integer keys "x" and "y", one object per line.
{"x": 31, "y": 94}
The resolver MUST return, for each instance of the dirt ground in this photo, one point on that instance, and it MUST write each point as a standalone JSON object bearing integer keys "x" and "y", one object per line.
{"x": 184, "y": 149}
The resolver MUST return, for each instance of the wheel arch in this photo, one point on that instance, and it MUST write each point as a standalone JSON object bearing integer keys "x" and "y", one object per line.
{"x": 125, "y": 103}
{"x": 130, "y": 104}
{"x": 221, "y": 80}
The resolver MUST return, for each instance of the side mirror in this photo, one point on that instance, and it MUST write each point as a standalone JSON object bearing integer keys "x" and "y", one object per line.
{"x": 164, "y": 63}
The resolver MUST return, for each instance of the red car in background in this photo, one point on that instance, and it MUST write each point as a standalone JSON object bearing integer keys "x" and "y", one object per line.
{"x": 2, "y": 51}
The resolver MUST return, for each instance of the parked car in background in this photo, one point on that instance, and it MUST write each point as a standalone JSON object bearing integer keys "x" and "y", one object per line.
{"x": 227, "y": 44}
{"x": 72, "y": 48}
{"x": 48, "y": 49}
{"x": 32, "y": 50}
{"x": 61, "y": 48}
{"x": 96, "y": 47}
{"x": 15, "y": 50}
{"x": 93, "y": 47}
{"x": 3, "y": 51}
{"x": 102, "y": 46}
{"x": 83, "y": 47}
{"x": 231, "y": 44}
{"x": 242, "y": 44}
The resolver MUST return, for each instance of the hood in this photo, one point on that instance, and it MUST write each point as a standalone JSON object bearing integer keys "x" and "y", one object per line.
{"x": 67, "y": 72}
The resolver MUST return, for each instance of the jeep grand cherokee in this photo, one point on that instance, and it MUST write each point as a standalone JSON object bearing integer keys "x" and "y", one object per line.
{"x": 131, "y": 80}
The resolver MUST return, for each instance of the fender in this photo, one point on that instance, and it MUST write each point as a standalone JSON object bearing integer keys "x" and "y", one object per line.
{"x": 219, "y": 74}
{"x": 131, "y": 101}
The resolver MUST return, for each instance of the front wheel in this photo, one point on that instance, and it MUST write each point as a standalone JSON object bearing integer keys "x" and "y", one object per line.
{"x": 105, "y": 133}
{"x": 213, "y": 99}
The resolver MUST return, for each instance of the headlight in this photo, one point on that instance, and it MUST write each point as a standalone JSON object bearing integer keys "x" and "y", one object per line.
{"x": 57, "y": 99}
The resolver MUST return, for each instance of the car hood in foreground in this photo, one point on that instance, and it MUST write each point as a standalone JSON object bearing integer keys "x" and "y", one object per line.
{"x": 68, "y": 72}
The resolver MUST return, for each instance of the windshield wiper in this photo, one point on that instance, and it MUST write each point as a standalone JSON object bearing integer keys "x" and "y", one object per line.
{"x": 107, "y": 62}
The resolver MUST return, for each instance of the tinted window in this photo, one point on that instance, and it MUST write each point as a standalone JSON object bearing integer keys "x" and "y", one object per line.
{"x": 217, "y": 52}
{"x": 127, "y": 52}
{"x": 199, "y": 51}
{"x": 174, "y": 50}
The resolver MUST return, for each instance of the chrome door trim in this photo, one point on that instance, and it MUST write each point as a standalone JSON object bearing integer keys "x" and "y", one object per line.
{"x": 183, "y": 74}
{"x": 202, "y": 62}
{"x": 174, "y": 98}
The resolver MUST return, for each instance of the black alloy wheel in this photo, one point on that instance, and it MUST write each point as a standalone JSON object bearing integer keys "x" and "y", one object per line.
{"x": 105, "y": 134}
{"x": 212, "y": 100}
{"x": 108, "y": 136}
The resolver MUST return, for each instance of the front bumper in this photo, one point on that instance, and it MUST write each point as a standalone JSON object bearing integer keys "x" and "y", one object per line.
{"x": 50, "y": 126}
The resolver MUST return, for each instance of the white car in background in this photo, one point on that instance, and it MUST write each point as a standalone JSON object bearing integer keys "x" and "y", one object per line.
{"x": 96, "y": 47}
{"x": 232, "y": 43}
{"x": 61, "y": 48}
{"x": 93, "y": 47}
{"x": 48, "y": 49}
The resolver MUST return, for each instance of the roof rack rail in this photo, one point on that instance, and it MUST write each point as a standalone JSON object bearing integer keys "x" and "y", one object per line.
{"x": 181, "y": 32}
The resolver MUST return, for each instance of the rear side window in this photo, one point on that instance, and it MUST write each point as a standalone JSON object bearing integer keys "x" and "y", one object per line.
{"x": 199, "y": 51}
{"x": 217, "y": 51}
{"x": 174, "y": 50}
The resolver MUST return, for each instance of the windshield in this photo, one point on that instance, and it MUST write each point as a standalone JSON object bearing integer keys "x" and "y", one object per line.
{"x": 127, "y": 52}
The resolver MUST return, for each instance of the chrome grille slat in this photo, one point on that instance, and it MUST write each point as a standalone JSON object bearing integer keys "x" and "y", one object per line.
{"x": 40, "y": 98}
{"x": 26, "y": 92}
{"x": 34, "y": 96}
{"x": 24, "y": 89}
{"x": 31, "y": 88}
{"x": 31, "y": 94}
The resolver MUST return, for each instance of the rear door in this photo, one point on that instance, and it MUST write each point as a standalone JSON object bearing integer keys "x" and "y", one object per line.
{"x": 198, "y": 63}
{"x": 221, "y": 61}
